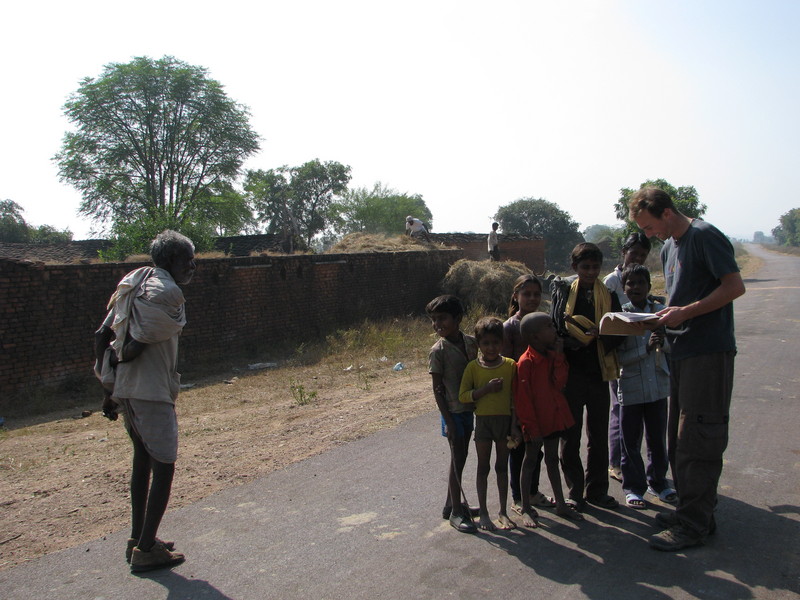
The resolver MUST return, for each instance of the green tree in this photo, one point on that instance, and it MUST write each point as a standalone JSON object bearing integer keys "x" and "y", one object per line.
{"x": 296, "y": 201}
{"x": 787, "y": 233}
{"x": 599, "y": 233}
{"x": 13, "y": 227}
{"x": 154, "y": 139}
{"x": 377, "y": 210}
{"x": 685, "y": 198}
{"x": 536, "y": 217}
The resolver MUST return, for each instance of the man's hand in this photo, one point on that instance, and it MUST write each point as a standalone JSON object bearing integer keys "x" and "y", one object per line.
{"x": 110, "y": 407}
{"x": 672, "y": 316}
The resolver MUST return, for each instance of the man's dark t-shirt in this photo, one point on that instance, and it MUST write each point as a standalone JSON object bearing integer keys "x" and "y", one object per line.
{"x": 693, "y": 267}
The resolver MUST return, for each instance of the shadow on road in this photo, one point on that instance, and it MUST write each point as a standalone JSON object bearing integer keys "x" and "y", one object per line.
{"x": 181, "y": 588}
{"x": 754, "y": 548}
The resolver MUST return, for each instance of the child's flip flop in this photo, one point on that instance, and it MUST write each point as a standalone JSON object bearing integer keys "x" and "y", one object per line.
{"x": 667, "y": 495}
{"x": 635, "y": 501}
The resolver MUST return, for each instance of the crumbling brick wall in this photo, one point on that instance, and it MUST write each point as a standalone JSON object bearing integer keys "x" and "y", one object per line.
{"x": 48, "y": 313}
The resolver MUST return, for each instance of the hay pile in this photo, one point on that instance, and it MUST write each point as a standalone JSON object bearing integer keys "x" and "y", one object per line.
{"x": 368, "y": 242}
{"x": 484, "y": 283}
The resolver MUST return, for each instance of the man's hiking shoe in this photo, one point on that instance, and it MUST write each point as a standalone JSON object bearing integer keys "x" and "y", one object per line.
{"x": 675, "y": 538}
{"x": 474, "y": 511}
{"x": 462, "y": 524}
{"x": 157, "y": 558}
{"x": 542, "y": 501}
{"x": 603, "y": 501}
{"x": 132, "y": 544}
{"x": 666, "y": 520}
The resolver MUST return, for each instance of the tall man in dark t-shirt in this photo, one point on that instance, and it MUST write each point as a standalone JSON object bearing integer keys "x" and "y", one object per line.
{"x": 702, "y": 280}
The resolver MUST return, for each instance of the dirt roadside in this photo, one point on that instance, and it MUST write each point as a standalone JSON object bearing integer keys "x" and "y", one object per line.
{"x": 65, "y": 481}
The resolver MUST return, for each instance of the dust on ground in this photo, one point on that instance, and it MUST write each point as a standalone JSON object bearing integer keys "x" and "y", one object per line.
{"x": 65, "y": 481}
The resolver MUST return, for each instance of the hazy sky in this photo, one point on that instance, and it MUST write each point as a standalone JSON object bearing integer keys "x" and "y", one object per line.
{"x": 470, "y": 104}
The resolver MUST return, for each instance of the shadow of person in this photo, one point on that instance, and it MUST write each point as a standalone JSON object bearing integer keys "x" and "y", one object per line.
{"x": 753, "y": 550}
{"x": 181, "y": 588}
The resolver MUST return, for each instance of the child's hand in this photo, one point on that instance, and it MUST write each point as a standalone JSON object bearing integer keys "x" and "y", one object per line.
{"x": 495, "y": 385}
{"x": 656, "y": 340}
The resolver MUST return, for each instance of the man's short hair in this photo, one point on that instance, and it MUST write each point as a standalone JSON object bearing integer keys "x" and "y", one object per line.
{"x": 447, "y": 304}
{"x": 585, "y": 251}
{"x": 632, "y": 270}
{"x": 167, "y": 245}
{"x": 652, "y": 199}
{"x": 488, "y": 326}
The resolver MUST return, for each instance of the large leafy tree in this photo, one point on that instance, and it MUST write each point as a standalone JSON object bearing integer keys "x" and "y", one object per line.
{"x": 296, "y": 201}
{"x": 14, "y": 228}
{"x": 155, "y": 142}
{"x": 685, "y": 198}
{"x": 377, "y": 210}
{"x": 788, "y": 232}
{"x": 539, "y": 218}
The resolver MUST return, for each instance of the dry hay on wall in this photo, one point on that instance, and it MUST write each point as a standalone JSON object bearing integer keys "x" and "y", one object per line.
{"x": 370, "y": 242}
{"x": 484, "y": 283}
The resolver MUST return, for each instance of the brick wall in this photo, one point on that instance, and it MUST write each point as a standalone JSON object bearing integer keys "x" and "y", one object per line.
{"x": 528, "y": 251}
{"x": 48, "y": 313}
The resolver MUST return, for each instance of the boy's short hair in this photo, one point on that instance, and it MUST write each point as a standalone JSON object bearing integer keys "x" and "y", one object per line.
{"x": 488, "y": 326}
{"x": 636, "y": 239}
{"x": 652, "y": 199}
{"x": 533, "y": 323}
{"x": 585, "y": 251}
{"x": 445, "y": 304}
{"x": 495, "y": 225}
{"x": 635, "y": 269}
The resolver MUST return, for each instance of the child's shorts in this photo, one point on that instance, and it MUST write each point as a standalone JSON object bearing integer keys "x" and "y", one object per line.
{"x": 492, "y": 428}
{"x": 464, "y": 422}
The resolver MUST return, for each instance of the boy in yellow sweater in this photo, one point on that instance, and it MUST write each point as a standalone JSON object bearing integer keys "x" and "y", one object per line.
{"x": 487, "y": 383}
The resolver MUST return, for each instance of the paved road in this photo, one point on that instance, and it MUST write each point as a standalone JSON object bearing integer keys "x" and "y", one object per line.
{"x": 362, "y": 521}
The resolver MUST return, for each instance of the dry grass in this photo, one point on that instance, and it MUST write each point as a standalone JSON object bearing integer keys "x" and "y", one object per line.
{"x": 64, "y": 479}
{"x": 367, "y": 242}
{"x": 484, "y": 283}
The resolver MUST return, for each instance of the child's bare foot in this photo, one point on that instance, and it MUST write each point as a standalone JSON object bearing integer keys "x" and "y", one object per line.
{"x": 530, "y": 518}
{"x": 503, "y": 522}
{"x": 569, "y": 512}
{"x": 486, "y": 523}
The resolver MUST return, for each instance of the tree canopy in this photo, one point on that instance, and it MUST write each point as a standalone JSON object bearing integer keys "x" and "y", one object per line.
{"x": 377, "y": 210}
{"x": 539, "y": 218}
{"x": 157, "y": 143}
{"x": 685, "y": 199}
{"x": 14, "y": 228}
{"x": 787, "y": 233}
{"x": 296, "y": 201}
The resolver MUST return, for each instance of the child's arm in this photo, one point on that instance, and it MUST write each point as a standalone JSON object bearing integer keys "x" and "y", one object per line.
{"x": 440, "y": 395}
{"x": 523, "y": 400}
{"x": 468, "y": 393}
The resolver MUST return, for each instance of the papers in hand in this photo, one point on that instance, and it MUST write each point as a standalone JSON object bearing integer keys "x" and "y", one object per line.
{"x": 624, "y": 323}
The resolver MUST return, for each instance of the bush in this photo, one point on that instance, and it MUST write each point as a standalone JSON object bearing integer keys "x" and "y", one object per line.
{"x": 484, "y": 283}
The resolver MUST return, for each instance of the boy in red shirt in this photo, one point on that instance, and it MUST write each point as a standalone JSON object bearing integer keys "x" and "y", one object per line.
{"x": 542, "y": 409}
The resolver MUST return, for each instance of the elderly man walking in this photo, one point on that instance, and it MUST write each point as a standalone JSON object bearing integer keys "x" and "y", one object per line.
{"x": 137, "y": 352}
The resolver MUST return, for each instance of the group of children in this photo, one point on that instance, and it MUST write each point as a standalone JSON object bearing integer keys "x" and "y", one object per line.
{"x": 522, "y": 387}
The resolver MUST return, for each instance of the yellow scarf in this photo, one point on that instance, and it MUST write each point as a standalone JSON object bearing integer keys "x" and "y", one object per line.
{"x": 609, "y": 366}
